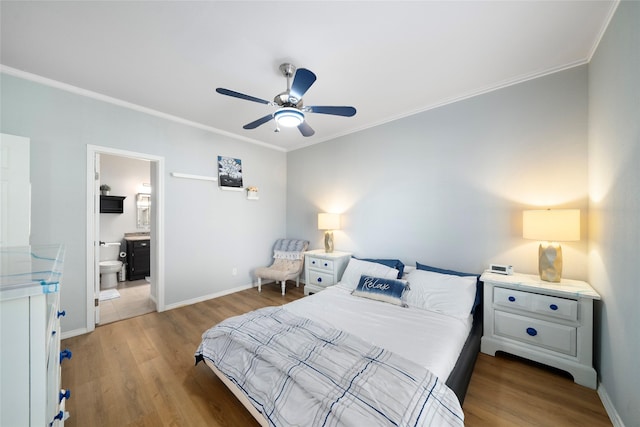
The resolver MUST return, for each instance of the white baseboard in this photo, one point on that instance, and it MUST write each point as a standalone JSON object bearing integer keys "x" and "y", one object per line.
{"x": 208, "y": 297}
{"x": 608, "y": 406}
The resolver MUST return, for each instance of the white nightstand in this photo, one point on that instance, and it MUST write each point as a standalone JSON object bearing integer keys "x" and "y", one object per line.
{"x": 550, "y": 323}
{"x": 322, "y": 269}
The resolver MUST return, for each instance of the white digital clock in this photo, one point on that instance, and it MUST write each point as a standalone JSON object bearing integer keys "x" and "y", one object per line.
{"x": 501, "y": 269}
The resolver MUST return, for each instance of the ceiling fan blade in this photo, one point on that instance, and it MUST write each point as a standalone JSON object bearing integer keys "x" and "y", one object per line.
{"x": 305, "y": 129}
{"x": 336, "y": 111}
{"x": 235, "y": 94}
{"x": 302, "y": 81}
{"x": 260, "y": 121}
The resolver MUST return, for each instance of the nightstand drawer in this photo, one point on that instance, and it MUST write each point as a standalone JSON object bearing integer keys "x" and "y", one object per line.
{"x": 322, "y": 264}
{"x": 562, "y": 308}
{"x": 537, "y": 332}
{"x": 320, "y": 279}
{"x": 512, "y": 298}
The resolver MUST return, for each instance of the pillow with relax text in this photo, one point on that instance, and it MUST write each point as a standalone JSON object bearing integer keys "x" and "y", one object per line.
{"x": 356, "y": 268}
{"x": 381, "y": 289}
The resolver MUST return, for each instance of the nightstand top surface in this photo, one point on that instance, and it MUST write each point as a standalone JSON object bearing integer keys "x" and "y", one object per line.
{"x": 322, "y": 253}
{"x": 530, "y": 282}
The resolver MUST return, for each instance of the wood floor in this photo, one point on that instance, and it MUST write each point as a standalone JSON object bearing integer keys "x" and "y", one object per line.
{"x": 140, "y": 372}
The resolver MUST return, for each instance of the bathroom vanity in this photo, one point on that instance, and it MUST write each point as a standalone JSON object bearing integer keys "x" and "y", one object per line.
{"x": 138, "y": 256}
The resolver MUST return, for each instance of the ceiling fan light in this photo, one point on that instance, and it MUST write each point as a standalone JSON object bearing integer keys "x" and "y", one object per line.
{"x": 289, "y": 117}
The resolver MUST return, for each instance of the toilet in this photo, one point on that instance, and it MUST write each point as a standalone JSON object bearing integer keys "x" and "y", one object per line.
{"x": 109, "y": 265}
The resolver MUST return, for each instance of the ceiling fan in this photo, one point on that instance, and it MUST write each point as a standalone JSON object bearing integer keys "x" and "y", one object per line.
{"x": 291, "y": 111}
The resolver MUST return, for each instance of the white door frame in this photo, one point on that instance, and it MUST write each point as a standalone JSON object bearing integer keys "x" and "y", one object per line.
{"x": 157, "y": 225}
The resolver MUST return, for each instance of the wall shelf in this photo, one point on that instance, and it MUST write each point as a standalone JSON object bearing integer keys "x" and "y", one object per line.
{"x": 112, "y": 204}
{"x": 191, "y": 176}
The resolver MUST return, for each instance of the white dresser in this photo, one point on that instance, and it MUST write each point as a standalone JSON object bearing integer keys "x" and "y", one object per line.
{"x": 550, "y": 323}
{"x": 322, "y": 269}
{"x": 30, "y": 356}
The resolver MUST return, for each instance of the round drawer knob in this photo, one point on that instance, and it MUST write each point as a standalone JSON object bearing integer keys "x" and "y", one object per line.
{"x": 512, "y": 299}
{"x": 319, "y": 279}
{"x": 532, "y": 332}
{"x": 553, "y": 307}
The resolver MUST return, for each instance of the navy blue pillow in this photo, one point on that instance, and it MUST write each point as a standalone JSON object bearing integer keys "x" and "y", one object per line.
{"x": 456, "y": 273}
{"x": 393, "y": 263}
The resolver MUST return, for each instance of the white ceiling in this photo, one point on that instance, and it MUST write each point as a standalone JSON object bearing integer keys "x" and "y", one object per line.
{"x": 389, "y": 59}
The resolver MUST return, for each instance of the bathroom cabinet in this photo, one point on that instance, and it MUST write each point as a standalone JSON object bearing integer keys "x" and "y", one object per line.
{"x": 112, "y": 204}
{"x": 138, "y": 258}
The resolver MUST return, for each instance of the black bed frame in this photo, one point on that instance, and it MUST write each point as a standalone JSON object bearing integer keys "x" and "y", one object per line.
{"x": 460, "y": 376}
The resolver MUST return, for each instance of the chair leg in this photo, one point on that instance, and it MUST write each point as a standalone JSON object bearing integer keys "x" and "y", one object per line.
{"x": 284, "y": 286}
{"x": 297, "y": 281}
{"x": 259, "y": 284}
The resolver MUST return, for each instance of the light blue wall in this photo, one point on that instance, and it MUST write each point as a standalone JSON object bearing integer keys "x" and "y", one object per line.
{"x": 447, "y": 187}
{"x": 208, "y": 231}
{"x": 614, "y": 194}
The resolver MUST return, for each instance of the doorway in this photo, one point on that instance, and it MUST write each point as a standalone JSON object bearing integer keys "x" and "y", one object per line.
{"x": 125, "y": 237}
{"x": 139, "y": 224}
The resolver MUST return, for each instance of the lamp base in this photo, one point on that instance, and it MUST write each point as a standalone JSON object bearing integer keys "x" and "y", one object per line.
{"x": 328, "y": 241}
{"x": 550, "y": 262}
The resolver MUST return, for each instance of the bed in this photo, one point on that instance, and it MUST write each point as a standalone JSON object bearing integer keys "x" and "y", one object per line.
{"x": 384, "y": 346}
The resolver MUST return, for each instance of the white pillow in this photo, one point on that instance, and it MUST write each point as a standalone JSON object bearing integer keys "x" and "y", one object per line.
{"x": 356, "y": 268}
{"x": 445, "y": 293}
{"x": 407, "y": 269}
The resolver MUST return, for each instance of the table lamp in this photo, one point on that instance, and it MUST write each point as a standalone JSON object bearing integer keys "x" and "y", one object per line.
{"x": 551, "y": 227}
{"x": 328, "y": 222}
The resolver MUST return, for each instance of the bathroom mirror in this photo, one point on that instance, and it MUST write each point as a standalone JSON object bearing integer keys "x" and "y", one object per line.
{"x": 143, "y": 205}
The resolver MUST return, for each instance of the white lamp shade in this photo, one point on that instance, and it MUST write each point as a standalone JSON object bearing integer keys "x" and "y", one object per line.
{"x": 558, "y": 225}
{"x": 328, "y": 221}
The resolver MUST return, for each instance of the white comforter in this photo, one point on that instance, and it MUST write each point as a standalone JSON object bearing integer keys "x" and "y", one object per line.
{"x": 430, "y": 339}
{"x": 298, "y": 372}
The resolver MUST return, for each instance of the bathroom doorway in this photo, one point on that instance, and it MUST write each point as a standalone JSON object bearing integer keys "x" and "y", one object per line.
{"x": 126, "y": 238}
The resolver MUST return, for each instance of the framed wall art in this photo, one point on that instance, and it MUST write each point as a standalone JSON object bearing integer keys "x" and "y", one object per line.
{"x": 230, "y": 173}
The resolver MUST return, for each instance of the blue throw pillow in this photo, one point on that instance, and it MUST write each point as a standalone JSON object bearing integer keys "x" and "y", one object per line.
{"x": 457, "y": 273}
{"x": 381, "y": 289}
{"x": 393, "y": 263}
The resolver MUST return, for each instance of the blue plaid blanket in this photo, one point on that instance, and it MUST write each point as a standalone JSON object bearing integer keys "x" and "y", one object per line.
{"x": 297, "y": 372}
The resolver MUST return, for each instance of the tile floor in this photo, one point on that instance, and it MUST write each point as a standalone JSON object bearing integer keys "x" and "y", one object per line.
{"x": 134, "y": 300}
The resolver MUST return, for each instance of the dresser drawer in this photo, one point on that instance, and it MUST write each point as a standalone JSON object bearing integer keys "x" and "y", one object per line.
{"x": 320, "y": 279}
{"x": 320, "y": 264}
{"x": 562, "y": 308}
{"x": 537, "y": 332}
